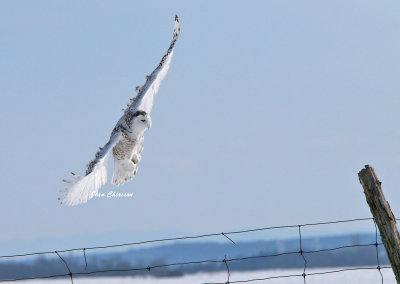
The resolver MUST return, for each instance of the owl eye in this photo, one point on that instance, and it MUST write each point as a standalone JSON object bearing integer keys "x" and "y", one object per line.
{"x": 142, "y": 120}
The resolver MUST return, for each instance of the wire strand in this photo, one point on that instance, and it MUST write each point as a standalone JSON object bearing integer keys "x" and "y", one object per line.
{"x": 66, "y": 264}
{"x": 225, "y": 260}
{"x": 190, "y": 237}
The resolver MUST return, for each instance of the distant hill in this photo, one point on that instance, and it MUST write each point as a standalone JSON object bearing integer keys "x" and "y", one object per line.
{"x": 184, "y": 251}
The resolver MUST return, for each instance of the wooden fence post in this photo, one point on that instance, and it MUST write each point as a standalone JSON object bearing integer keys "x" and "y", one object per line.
{"x": 383, "y": 216}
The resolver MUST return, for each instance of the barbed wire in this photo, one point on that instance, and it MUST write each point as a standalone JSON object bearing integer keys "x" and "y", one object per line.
{"x": 225, "y": 261}
{"x": 302, "y": 255}
{"x": 377, "y": 251}
{"x": 300, "y": 275}
{"x": 189, "y": 237}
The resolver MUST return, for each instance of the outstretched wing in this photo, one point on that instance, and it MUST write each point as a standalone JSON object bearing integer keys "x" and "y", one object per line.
{"x": 144, "y": 99}
{"x": 126, "y": 168}
{"x": 84, "y": 188}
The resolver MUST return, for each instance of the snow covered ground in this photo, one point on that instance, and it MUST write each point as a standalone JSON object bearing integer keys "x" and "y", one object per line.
{"x": 353, "y": 277}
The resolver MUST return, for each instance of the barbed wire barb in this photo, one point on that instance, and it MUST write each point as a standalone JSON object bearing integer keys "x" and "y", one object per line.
{"x": 227, "y": 268}
{"x": 302, "y": 255}
{"x": 223, "y": 234}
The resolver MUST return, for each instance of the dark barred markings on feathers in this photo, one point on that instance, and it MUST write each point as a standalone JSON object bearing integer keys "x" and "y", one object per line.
{"x": 123, "y": 148}
{"x": 126, "y": 140}
{"x": 129, "y": 116}
{"x": 139, "y": 89}
{"x": 90, "y": 166}
{"x": 97, "y": 156}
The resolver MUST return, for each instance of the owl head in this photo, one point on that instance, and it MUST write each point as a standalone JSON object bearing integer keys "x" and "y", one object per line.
{"x": 141, "y": 120}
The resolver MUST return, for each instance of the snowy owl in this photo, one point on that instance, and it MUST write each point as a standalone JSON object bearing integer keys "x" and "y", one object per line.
{"x": 126, "y": 139}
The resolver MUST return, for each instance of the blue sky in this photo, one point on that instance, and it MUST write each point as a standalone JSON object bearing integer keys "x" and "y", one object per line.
{"x": 269, "y": 110}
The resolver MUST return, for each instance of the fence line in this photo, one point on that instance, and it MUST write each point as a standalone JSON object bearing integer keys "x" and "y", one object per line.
{"x": 225, "y": 261}
{"x": 299, "y": 275}
{"x": 189, "y": 237}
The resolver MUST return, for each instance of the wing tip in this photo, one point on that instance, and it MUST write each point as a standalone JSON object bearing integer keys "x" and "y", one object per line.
{"x": 177, "y": 26}
{"x": 66, "y": 199}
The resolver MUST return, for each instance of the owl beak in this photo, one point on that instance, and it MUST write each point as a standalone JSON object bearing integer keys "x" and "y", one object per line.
{"x": 148, "y": 122}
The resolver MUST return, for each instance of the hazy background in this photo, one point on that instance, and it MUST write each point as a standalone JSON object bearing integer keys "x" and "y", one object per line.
{"x": 355, "y": 277}
{"x": 269, "y": 110}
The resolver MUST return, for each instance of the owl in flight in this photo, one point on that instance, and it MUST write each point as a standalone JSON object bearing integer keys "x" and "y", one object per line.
{"x": 126, "y": 139}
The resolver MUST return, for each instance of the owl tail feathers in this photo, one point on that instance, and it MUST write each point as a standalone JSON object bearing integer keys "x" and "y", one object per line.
{"x": 84, "y": 188}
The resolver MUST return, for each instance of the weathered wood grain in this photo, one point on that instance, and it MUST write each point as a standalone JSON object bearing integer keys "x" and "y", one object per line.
{"x": 383, "y": 216}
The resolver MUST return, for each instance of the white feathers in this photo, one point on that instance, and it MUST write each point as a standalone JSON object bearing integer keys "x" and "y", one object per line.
{"x": 126, "y": 141}
{"x": 146, "y": 104}
{"x": 144, "y": 99}
{"x": 87, "y": 187}
{"x": 124, "y": 170}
